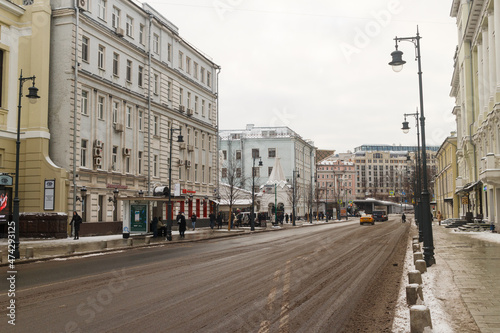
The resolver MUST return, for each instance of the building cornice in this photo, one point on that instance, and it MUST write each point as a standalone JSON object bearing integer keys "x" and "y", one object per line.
{"x": 12, "y": 8}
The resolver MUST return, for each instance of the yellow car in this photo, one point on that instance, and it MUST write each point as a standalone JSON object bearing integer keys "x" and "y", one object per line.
{"x": 366, "y": 219}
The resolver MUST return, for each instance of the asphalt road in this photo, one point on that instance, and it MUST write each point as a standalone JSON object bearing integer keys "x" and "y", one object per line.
{"x": 306, "y": 279}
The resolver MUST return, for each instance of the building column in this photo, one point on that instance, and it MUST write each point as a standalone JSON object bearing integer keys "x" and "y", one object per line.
{"x": 495, "y": 206}
{"x": 480, "y": 80}
{"x": 485, "y": 78}
{"x": 496, "y": 19}
{"x": 492, "y": 57}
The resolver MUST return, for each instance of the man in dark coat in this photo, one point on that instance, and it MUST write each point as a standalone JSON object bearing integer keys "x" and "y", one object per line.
{"x": 154, "y": 225}
{"x": 75, "y": 222}
{"x": 220, "y": 219}
{"x": 212, "y": 220}
{"x": 181, "y": 221}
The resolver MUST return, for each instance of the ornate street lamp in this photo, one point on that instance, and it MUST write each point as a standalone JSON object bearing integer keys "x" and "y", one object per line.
{"x": 397, "y": 64}
{"x": 252, "y": 218}
{"x": 33, "y": 96}
{"x": 418, "y": 205}
{"x": 169, "y": 207}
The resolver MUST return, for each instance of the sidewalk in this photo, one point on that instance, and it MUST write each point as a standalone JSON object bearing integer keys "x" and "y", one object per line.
{"x": 50, "y": 248}
{"x": 461, "y": 289}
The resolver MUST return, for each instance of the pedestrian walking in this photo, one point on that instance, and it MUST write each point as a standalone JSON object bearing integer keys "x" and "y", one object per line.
{"x": 193, "y": 221}
{"x": 212, "y": 218}
{"x": 162, "y": 229}
{"x": 75, "y": 222}
{"x": 181, "y": 221}
{"x": 403, "y": 218}
{"x": 439, "y": 217}
{"x": 154, "y": 226}
{"x": 220, "y": 219}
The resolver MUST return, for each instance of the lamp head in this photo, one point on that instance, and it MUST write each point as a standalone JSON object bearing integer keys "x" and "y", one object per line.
{"x": 33, "y": 94}
{"x": 260, "y": 163}
{"x": 180, "y": 138}
{"x": 405, "y": 127}
{"x": 397, "y": 60}
{"x": 83, "y": 190}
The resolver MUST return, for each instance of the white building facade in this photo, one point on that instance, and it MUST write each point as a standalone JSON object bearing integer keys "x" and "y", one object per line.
{"x": 122, "y": 81}
{"x": 297, "y": 157}
{"x": 476, "y": 88}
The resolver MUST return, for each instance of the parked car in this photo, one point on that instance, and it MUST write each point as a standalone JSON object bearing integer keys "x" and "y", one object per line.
{"x": 380, "y": 215}
{"x": 366, "y": 219}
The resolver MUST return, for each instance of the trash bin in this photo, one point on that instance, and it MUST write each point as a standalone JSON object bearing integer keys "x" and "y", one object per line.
{"x": 126, "y": 233}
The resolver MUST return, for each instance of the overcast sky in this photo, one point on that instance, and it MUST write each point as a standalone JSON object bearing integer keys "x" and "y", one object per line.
{"x": 321, "y": 67}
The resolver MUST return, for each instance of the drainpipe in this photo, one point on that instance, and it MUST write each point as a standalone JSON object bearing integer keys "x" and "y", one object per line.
{"x": 149, "y": 103}
{"x": 217, "y": 137}
{"x": 75, "y": 104}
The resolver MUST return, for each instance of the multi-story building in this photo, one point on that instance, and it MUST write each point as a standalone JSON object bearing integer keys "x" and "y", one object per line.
{"x": 123, "y": 84}
{"x": 243, "y": 149}
{"x": 335, "y": 182}
{"x": 24, "y": 51}
{"x": 447, "y": 201}
{"x": 476, "y": 87}
{"x": 386, "y": 172}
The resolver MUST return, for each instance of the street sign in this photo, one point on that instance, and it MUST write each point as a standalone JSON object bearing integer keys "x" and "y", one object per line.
{"x": 403, "y": 193}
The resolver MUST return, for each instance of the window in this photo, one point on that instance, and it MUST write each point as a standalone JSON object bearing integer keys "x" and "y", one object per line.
{"x": 203, "y": 174}
{"x": 188, "y": 65}
{"x": 156, "y": 43}
{"x": 129, "y": 71}
{"x": 155, "y": 125}
{"x": 224, "y": 172}
{"x": 169, "y": 90}
{"x": 127, "y": 164}
{"x": 202, "y": 74}
{"x": 238, "y": 172}
{"x": 83, "y": 153}
{"x": 202, "y": 140}
{"x": 140, "y": 120}
{"x": 238, "y": 155}
{"x": 256, "y": 172}
{"x": 100, "y": 57}
{"x": 203, "y": 108}
{"x": 101, "y": 9}
{"x": 129, "y": 116}
{"x": 155, "y": 165}
{"x": 181, "y": 55}
{"x": 181, "y": 96}
{"x": 196, "y": 104}
{"x": 271, "y": 152}
{"x": 115, "y": 18}
{"x": 195, "y": 70}
{"x": 209, "y": 111}
{"x": 116, "y": 58}
{"x": 189, "y": 100}
{"x": 85, "y": 102}
{"x": 139, "y": 76}
{"x": 255, "y": 153}
{"x": 85, "y": 49}
{"x": 129, "y": 26}
{"x": 116, "y": 106}
{"x": 139, "y": 162}
{"x": 209, "y": 79}
{"x": 196, "y": 139}
{"x": 209, "y": 174}
{"x": 114, "y": 158}
{"x": 196, "y": 172}
{"x": 269, "y": 170}
{"x": 209, "y": 143}
{"x": 169, "y": 52}
{"x": 100, "y": 107}
{"x": 141, "y": 34}
{"x": 224, "y": 154}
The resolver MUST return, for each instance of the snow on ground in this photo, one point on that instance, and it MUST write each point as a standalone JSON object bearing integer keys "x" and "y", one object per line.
{"x": 482, "y": 235}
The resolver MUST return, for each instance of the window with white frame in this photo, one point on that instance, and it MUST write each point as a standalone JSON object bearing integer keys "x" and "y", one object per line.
{"x": 127, "y": 164}
{"x": 129, "y": 116}
{"x": 181, "y": 55}
{"x": 155, "y": 125}
{"x": 169, "y": 52}
{"x": 139, "y": 162}
{"x": 209, "y": 143}
{"x": 114, "y": 158}
{"x": 196, "y": 104}
{"x": 195, "y": 69}
{"x": 129, "y": 26}
{"x": 188, "y": 100}
{"x": 209, "y": 110}
{"x": 129, "y": 70}
{"x": 85, "y": 49}
{"x": 181, "y": 96}
{"x": 271, "y": 152}
{"x": 202, "y": 75}
{"x": 140, "y": 76}
{"x": 196, "y": 139}
{"x": 85, "y": 102}
{"x": 188, "y": 65}
{"x": 196, "y": 172}
{"x": 209, "y": 79}
{"x": 238, "y": 155}
{"x": 203, "y": 108}
{"x": 155, "y": 165}
{"x": 116, "y": 106}
{"x": 202, "y": 140}
{"x": 156, "y": 84}
{"x": 100, "y": 56}
{"x": 83, "y": 153}
{"x": 100, "y": 107}
{"x": 140, "y": 120}
{"x": 203, "y": 174}
{"x": 156, "y": 43}
{"x": 209, "y": 175}
{"x": 115, "y": 18}
{"x": 116, "y": 59}
{"x": 141, "y": 34}
{"x": 169, "y": 90}
{"x": 101, "y": 9}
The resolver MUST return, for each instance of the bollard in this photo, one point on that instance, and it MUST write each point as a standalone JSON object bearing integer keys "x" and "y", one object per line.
{"x": 414, "y": 294}
{"x": 130, "y": 242}
{"x": 414, "y": 276}
{"x": 71, "y": 248}
{"x": 103, "y": 245}
{"x": 421, "y": 266}
{"x": 147, "y": 240}
{"x": 416, "y": 247}
{"x": 417, "y": 256}
{"x": 420, "y": 319}
{"x": 29, "y": 252}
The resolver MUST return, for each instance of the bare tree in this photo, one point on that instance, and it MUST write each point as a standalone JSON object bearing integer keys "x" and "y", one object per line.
{"x": 232, "y": 184}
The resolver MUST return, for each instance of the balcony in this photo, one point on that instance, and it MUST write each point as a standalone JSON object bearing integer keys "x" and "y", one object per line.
{"x": 489, "y": 169}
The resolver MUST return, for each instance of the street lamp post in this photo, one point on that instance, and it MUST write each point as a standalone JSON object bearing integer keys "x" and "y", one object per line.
{"x": 397, "y": 64}
{"x": 326, "y": 201}
{"x": 418, "y": 206}
{"x": 252, "y": 218}
{"x": 33, "y": 96}
{"x": 169, "y": 207}
{"x": 295, "y": 175}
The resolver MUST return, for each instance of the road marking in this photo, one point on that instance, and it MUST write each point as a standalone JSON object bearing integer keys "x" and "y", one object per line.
{"x": 285, "y": 313}
{"x": 264, "y": 325}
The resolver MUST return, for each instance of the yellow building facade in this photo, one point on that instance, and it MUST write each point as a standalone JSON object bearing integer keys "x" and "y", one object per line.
{"x": 447, "y": 201}
{"x": 25, "y": 47}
